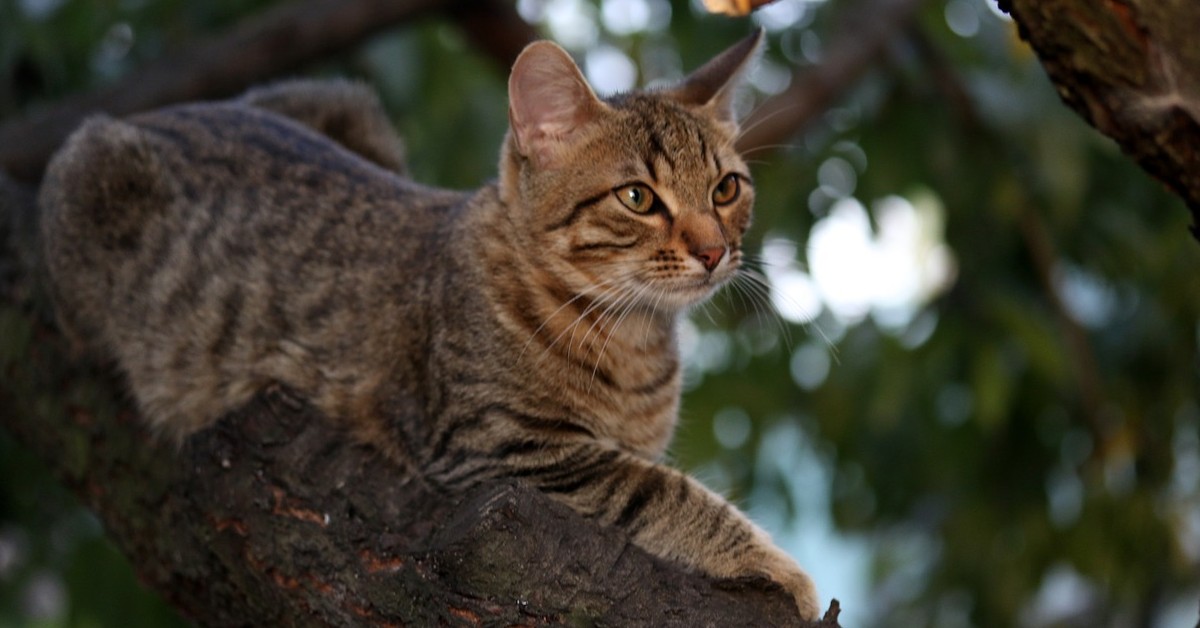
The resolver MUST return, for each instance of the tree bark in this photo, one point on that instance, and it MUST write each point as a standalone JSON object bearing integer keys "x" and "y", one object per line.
{"x": 1129, "y": 68}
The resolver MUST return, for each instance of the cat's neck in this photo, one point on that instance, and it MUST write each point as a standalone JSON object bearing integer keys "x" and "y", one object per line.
{"x": 592, "y": 334}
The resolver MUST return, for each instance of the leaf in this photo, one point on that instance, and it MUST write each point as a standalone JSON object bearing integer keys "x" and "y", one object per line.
{"x": 736, "y": 8}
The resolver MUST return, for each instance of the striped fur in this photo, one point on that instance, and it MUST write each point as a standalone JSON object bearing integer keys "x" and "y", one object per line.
{"x": 525, "y": 330}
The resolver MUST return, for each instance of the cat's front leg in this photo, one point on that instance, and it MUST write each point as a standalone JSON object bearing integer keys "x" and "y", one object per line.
{"x": 673, "y": 516}
{"x": 665, "y": 512}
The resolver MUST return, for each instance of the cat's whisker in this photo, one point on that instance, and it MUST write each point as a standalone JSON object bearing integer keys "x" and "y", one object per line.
{"x": 599, "y": 326}
{"x": 707, "y": 307}
{"x": 599, "y": 300}
{"x": 758, "y": 291}
{"x": 603, "y": 304}
{"x": 756, "y": 123}
{"x": 757, "y": 149}
{"x": 555, "y": 313}
{"x": 661, "y": 294}
{"x": 629, "y": 306}
{"x": 812, "y": 322}
{"x": 735, "y": 289}
{"x": 620, "y": 287}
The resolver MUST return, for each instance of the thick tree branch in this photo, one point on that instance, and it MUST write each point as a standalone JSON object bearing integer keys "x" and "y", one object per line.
{"x": 263, "y": 47}
{"x": 1128, "y": 67}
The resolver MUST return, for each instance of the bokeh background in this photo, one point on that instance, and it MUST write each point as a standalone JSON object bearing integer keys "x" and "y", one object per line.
{"x": 961, "y": 385}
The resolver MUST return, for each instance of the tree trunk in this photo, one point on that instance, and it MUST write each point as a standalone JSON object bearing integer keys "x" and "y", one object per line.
{"x": 1129, "y": 68}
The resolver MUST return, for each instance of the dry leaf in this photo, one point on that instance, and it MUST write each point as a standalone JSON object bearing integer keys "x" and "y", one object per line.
{"x": 736, "y": 8}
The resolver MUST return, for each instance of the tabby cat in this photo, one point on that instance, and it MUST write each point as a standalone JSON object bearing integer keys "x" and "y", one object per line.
{"x": 216, "y": 249}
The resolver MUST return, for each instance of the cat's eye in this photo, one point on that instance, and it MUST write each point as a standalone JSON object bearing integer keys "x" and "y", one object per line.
{"x": 636, "y": 197}
{"x": 727, "y": 190}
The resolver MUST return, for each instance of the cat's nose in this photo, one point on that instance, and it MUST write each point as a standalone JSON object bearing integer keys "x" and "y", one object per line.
{"x": 709, "y": 256}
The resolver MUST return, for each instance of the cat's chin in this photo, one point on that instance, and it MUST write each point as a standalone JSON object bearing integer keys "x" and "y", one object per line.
{"x": 684, "y": 294}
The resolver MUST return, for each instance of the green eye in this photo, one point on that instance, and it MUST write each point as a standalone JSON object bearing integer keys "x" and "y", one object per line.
{"x": 637, "y": 197}
{"x": 727, "y": 190}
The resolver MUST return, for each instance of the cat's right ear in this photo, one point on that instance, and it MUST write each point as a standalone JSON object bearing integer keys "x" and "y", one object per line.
{"x": 548, "y": 101}
{"x": 714, "y": 84}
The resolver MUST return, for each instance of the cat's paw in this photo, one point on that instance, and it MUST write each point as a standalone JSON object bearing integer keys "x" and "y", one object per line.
{"x": 785, "y": 572}
{"x": 804, "y": 592}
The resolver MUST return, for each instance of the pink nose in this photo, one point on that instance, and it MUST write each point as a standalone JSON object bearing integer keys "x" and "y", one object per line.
{"x": 710, "y": 256}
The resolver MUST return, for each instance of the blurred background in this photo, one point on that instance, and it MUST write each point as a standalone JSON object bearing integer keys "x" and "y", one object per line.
{"x": 960, "y": 383}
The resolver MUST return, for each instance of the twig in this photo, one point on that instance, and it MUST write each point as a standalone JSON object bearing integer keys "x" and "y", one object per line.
{"x": 272, "y": 43}
{"x": 812, "y": 91}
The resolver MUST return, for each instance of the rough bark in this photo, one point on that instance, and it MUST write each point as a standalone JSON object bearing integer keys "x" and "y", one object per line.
{"x": 1129, "y": 68}
{"x": 274, "y": 517}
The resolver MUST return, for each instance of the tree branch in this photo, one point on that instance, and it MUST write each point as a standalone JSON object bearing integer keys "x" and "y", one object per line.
{"x": 1128, "y": 68}
{"x": 861, "y": 41}
{"x": 495, "y": 27}
{"x": 273, "y": 43}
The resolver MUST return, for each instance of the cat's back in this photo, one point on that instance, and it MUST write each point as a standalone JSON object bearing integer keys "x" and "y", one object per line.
{"x": 225, "y": 190}
{"x": 215, "y": 248}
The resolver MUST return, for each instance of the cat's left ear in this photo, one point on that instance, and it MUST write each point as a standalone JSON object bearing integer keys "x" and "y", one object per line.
{"x": 548, "y": 101}
{"x": 714, "y": 85}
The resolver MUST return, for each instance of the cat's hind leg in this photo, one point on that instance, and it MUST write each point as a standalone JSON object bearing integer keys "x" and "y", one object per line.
{"x": 347, "y": 112}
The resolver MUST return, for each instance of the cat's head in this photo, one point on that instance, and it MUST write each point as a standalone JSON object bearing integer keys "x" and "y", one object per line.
{"x": 639, "y": 196}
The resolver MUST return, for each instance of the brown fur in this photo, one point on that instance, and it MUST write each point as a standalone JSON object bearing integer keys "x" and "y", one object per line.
{"x": 526, "y": 330}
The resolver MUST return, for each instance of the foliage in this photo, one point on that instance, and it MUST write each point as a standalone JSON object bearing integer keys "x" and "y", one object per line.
{"x": 1014, "y": 443}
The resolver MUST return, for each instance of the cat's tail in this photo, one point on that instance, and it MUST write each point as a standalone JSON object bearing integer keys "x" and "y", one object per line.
{"x": 98, "y": 193}
{"x": 347, "y": 112}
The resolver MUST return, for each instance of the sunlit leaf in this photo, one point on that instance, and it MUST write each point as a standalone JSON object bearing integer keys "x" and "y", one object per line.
{"x": 735, "y": 8}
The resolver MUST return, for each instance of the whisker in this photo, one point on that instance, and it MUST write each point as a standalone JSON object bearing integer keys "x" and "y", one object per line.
{"x": 812, "y": 322}
{"x": 606, "y": 304}
{"x": 659, "y": 294}
{"x": 627, "y": 296}
{"x": 758, "y": 290}
{"x": 755, "y": 149}
{"x": 614, "y": 286}
{"x": 629, "y": 306}
{"x": 753, "y": 125}
{"x": 553, "y": 314}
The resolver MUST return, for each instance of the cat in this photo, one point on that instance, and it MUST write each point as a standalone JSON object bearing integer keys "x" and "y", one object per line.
{"x": 525, "y": 330}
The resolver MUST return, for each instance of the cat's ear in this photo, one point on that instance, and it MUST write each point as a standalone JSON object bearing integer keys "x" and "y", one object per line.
{"x": 548, "y": 100}
{"x": 714, "y": 85}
